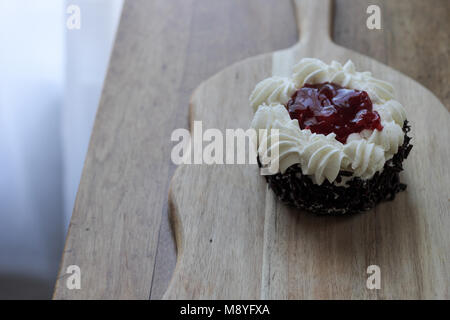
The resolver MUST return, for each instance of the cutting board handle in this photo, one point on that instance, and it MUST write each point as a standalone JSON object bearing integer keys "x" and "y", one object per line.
{"x": 314, "y": 19}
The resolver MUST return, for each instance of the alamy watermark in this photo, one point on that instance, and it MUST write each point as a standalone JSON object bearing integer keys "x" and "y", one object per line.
{"x": 74, "y": 279}
{"x": 374, "y": 280}
{"x": 374, "y": 19}
{"x": 233, "y": 146}
{"x": 73, "y": 21}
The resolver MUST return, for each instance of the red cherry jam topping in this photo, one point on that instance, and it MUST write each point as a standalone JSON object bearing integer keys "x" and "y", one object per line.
{"x": 327, "y": 107}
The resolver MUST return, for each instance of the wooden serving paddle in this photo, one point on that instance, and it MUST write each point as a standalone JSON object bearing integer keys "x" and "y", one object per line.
{"x": 236, "y": 241}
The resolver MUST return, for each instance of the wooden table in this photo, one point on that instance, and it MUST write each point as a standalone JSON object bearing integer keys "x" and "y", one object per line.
{"x": 119, "y": 234}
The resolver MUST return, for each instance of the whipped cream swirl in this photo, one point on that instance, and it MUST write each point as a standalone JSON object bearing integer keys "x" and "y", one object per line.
{"x": 322, "y": 156}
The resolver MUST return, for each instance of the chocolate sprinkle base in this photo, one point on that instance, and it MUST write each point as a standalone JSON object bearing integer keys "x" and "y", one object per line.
{"x": 296, "y": 189}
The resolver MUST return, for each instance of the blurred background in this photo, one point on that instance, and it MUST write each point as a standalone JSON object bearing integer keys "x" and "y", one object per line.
{"x": 50, "y": 84}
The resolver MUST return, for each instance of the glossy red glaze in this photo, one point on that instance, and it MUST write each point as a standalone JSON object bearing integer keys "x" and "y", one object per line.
{"x": 327, "y": 107}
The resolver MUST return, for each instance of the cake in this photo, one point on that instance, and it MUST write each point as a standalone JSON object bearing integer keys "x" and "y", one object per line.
{"x": 340, "y": 136}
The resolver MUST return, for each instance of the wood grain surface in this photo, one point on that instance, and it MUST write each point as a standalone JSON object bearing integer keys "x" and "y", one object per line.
{"x": 119, "y": 233}
{"x": 259, "y": 248}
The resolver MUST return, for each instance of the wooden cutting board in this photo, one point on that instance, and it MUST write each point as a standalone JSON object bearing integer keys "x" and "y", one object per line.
{"x": 236, "y": 241}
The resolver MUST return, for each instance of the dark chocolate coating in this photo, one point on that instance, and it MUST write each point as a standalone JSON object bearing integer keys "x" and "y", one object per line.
{"x": 298, "y": 190}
